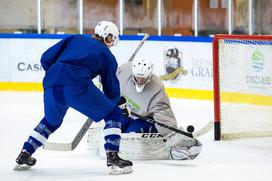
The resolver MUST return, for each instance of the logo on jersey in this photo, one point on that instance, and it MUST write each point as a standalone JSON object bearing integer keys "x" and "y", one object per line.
{"x": 173, "y": 65}
{"x": 133, "y": 105}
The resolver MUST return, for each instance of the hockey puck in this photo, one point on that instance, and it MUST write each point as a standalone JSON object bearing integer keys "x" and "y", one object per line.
{"x": 190, "y": 128}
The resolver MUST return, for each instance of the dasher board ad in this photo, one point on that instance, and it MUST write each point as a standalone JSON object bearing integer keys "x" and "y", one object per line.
{"x": 180, "y": 62}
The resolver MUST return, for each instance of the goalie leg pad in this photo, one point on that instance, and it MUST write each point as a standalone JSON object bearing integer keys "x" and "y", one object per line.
{"x": 182, "y": 147}
{"x": 185, "y": 153}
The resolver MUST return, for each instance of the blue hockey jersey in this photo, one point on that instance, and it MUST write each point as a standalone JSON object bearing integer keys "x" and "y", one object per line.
{"x": 77, "y": 59}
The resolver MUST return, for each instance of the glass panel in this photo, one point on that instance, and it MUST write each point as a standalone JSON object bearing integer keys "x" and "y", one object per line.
{"x": 177, "y": 17}
{"x": 18, "y": 16}
{"x": 98, "y": 10}
{"x": 60, "y": 16}
{"x": 262, "y": 17}
{"x": 140, "y": 16}
{"x": 240, "y": 17}
{"x": 212, "y": 17}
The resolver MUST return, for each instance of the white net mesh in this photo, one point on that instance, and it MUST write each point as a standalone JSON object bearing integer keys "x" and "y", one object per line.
{"x": 245, "y": 81}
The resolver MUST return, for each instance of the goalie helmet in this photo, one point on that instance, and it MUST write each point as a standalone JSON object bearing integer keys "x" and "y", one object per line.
{"x": 142, "y": 70}
{"x": 105, "y": 28}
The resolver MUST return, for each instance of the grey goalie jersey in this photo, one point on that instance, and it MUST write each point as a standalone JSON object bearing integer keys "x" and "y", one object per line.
{"x": 152, "y": 100}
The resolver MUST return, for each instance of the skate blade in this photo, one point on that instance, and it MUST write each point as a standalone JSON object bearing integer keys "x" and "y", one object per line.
{"x": 114, "y": 170}
{"x": 21, "y": 167}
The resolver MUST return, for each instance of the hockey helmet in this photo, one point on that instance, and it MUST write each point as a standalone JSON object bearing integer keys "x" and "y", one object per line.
{"x": 142, "y": 70}
{"x": 105, "y": 28}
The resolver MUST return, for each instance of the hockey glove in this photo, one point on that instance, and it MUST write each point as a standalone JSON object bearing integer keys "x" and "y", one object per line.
{"x": 123, "y": 105}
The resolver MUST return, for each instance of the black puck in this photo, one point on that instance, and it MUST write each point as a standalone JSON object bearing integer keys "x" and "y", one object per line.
{"x": 190, "y": 128}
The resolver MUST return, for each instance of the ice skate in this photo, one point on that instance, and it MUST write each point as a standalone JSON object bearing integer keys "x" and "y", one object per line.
{"x": 24, "y": 161}
{"x": 117, "y": 165}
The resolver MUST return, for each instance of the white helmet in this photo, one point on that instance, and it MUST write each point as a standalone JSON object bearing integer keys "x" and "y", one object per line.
{"x": 142, "y": 70}
{"x": 105, "y": 28}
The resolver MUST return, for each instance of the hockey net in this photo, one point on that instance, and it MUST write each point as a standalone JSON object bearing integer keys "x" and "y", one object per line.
{"x": 242, "y": 86}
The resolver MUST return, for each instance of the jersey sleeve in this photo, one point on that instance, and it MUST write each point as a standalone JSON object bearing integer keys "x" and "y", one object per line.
{"x": 110, "y": 83}
{"x": 162, "y": 111}
{"x": 50, "y": 56}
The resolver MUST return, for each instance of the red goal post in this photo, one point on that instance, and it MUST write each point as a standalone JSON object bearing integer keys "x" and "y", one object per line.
{"x": 242, "y": 74}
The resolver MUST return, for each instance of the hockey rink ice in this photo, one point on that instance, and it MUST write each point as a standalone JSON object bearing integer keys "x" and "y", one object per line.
{"x": 244, "y": 159}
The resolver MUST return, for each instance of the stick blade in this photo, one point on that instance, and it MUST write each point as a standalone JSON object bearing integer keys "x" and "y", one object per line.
{"x": 72, "y": 145}
{"x": 57, "y": 146}
{"x": 203, "y": 130}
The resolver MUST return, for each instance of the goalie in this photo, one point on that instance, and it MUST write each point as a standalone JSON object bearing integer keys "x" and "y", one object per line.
{"x": 145, "y": 95}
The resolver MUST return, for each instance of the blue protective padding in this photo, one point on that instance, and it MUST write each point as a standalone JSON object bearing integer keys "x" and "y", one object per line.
{"x": 137, "y": 126}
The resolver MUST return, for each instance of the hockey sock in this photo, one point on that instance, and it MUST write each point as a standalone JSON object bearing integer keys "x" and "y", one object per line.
{"x": 112, "y": 130}
{"x": 38, "y": 136}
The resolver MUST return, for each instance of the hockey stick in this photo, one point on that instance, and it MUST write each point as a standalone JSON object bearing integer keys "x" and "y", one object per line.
{"x": 139, "y": 46}
{"x": 200, "y": 132}
{"x": 72, "y": 145}
{"x": 203, "y": 130}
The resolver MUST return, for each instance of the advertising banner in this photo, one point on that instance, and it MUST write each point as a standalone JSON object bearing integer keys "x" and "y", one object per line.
{"x": 180, "y": 64}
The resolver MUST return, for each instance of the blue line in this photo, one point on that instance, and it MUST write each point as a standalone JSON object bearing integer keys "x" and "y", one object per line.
{"x": 123, "y": 37}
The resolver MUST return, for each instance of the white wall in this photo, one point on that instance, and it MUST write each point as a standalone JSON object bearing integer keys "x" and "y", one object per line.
{"x": 20, "y": 59}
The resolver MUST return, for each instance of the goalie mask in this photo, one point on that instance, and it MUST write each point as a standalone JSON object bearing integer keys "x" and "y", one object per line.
{"x": 108, "y": 31}
{"x": 142, "y": 70}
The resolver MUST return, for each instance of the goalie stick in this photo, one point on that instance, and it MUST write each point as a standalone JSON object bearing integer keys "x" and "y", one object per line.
{"x": 194, "y": 135}
{"x": 139, "y": 46}
{"x": 72, "y": 145}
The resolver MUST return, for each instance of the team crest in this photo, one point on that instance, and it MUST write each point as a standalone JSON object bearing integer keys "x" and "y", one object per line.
{"x": 173, "y": 65}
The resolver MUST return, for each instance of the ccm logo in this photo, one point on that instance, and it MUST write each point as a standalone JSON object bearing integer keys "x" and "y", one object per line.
{"x": 151, "y": 135}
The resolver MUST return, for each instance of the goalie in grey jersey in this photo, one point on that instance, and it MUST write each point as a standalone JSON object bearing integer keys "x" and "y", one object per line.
{"x": 146, "y": 96}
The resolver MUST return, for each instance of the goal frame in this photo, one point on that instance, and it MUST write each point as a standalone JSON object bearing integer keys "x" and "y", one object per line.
{"x": 216, "y": 86}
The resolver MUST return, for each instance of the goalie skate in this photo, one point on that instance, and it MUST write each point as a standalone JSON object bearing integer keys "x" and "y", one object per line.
{"x": 117, "y": 165}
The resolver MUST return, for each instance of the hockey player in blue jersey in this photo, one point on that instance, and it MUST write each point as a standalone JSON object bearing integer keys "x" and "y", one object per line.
{"x": 70, "y": 65}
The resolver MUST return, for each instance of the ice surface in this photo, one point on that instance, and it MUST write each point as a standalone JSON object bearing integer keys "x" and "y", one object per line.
{"x": 245, "y": 159}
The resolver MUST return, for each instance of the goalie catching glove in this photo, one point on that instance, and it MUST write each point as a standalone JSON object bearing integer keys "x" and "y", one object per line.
{"x": 123, "y": 105}
{"x": 182, "y": 147}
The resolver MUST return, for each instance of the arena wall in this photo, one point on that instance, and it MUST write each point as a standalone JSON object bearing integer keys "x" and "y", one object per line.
{"x": 183, "y": 63}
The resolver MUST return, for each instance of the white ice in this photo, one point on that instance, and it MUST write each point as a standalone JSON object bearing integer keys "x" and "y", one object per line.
{"x": 244, "y": 159}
